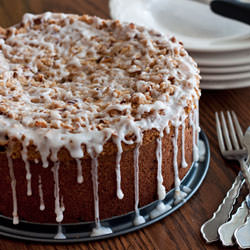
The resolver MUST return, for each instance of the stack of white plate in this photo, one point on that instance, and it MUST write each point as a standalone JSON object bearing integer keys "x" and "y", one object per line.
{"x": 220, "y": 46}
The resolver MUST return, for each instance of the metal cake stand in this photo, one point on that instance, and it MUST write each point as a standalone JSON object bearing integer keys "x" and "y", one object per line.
{"x": 80, "y": 232}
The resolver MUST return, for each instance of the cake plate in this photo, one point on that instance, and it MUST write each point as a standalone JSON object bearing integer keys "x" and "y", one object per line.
{"x": 80, "y": 232}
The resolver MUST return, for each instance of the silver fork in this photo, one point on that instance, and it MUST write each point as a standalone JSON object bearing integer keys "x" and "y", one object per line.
{"x": 232, "y": 148}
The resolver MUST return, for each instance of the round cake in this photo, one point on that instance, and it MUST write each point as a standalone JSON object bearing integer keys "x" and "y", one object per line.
{"x": 97, "y": 118}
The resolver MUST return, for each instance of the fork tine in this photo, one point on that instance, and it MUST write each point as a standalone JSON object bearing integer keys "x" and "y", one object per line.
{"x": 219, "y": 133}
{"x": 225, "y": 132}
{"x": 232, "y": 131}
{"x": 238, "y": 128}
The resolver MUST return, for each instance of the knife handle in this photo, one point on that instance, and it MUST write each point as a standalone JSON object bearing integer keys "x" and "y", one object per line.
{"x": 209, "y": 229}
{"x": 235, "y": 9}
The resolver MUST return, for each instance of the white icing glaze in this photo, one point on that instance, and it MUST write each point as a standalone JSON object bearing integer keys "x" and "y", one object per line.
{"x": 27, "y": 167}
{"x": 13, "y": 187}
{"x": 161, "y": 208}
{"x": 178, "y": 195}
{"x": 79, "y": 171}
{"x": 94, "y": 173}
{"x": 194, "y": 122}
{"x": 119, "y": 192}
{"x": 160, "y": 187}
{"x": 67, "y": 82}
{"x": 138, "y": 218}
{"x": 60, "y": 235}
{"x": 58, "y": 208}
{"x": 175, "y": 163}
{"x": 183, "y": 160}
{"x": 167, "y": 129}
{"x": 186, "y": 189}
{"x": 100, "y": 230}
{"x": 202, "y": 150}
{"x": 62, "y": 204}
{"x": 40, "y": 191}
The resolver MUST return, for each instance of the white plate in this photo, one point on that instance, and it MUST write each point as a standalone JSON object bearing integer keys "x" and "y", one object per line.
{"x": 193, "y": 23}
{"x": 222, "y": 58}
{"x": 224, "y": 77}
{"x": 225, "y": 84}
{"x": 223, "y": 70}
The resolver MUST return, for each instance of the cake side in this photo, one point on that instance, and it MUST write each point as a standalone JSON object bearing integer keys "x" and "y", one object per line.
{"x": 78, "y": 197}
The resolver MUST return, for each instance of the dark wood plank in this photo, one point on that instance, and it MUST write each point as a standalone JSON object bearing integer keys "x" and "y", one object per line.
{"x": 181, "y": 230}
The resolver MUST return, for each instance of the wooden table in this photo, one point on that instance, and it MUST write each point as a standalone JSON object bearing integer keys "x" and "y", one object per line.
{"x": 181, "y": 230}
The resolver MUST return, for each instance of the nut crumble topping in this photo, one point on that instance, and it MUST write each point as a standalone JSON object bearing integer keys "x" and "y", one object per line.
{"x": 74, "y": 72}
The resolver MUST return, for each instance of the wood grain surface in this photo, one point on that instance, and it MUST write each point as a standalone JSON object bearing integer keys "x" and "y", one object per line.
{"x": 181, "y": 230}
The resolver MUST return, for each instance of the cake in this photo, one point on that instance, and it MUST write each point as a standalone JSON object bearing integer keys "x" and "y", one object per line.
{"x": 97, "y": 118}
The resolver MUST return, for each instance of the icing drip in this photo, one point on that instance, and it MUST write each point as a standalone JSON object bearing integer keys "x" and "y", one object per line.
{"x": 40, "y": 191}
{"x": 186, "y": 189}
{"x": 167, "y": 129}
{"x": 178, "y": 195}
{"x": 99, "y": 229}
{"x": 119, "y": 192}
{"x": 202, "y": 150}
{"x": 44, "y": 151}
{"x": 62, "y": 204}
{"x": 160, "y": 187}
{"x": 27, "y": 167}
{"x": 138, "y": 218}
{"x": 183, "y": 160}
{"x": 13, "y": 188}
{"x": 60, "y": 235}
{"x": 197, "y": 127}
{"x": 195, "y": 130}
{"x": 94, "y": 173}
{"x": 160, "y": 209}
{"x": 79, "y": 171}
{"x": 58, "y": 208}
{"x": 175, "y": 163}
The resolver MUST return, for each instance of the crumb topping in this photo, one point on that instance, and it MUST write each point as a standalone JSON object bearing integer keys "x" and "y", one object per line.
{"x": 75, "y": 72}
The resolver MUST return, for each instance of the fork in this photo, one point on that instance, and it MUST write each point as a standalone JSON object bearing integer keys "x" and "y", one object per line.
{"x": 232, "y": 148}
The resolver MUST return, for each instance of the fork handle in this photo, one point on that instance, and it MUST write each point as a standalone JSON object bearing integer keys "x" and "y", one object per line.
{"x": 245, "y": 172}
{"x": 209, "y": 229}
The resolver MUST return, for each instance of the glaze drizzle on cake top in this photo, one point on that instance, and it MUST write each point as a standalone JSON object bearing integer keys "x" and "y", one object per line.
{"x": 72, "y": 81}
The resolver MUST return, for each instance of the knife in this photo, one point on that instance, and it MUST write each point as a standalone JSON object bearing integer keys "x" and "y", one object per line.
{"x": 234, "y": 9}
